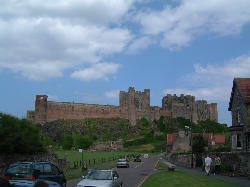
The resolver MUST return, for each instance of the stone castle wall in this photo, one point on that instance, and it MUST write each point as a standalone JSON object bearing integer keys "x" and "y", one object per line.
{"x": 133, "y": 105}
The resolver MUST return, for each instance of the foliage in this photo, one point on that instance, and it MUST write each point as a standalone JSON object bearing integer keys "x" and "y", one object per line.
{"x": 145, "y": 122}
{"x": 209, "y": 126}
{"x": 198, "y": 144}
{"x": 222, "y": 149}
{"x": 66, "y": 141}
{"x": 161, "y": 165}
{"x": 19, "y": 136}
{"x": 161, "y": 125}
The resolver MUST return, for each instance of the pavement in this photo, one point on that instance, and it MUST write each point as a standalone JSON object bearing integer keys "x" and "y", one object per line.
{"x": 235, "y": 180}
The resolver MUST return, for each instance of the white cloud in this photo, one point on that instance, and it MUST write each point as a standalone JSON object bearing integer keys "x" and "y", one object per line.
{"x": 217, "y": 78}
{"x": 42, "y": 39}
{"x": 114, "y": 94}
{"x": 96, "y": 72}
{"x": 139, "y": 44}
{"x": 181, "y": 24}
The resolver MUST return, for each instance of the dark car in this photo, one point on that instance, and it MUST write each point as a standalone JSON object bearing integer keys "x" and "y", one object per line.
{"x": 35, "y": 170}
{"x": 137, "y": 158}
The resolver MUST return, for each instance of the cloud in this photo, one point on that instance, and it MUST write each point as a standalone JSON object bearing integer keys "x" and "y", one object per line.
{"x": 96, "y": 71}
{"x": 139, "y": 44}
{"x": 114, "y": 94}
{"x": 42, "y": 39}
{"x": 178, "y": 25}
{"x": 217, "y": 78}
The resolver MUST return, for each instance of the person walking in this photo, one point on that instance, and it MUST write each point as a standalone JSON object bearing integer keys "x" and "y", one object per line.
{"x": 217, "y": 161}
{"x": 208, "y": 162}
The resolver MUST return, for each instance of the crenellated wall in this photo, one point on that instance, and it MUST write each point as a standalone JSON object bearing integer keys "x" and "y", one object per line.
{"x": 133, "y": 105}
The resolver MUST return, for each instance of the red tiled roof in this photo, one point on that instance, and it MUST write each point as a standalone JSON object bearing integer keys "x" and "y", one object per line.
{"x": 172, "y": 138}
{"x": 220, "y": 139}
{"x": 244, "y": 86}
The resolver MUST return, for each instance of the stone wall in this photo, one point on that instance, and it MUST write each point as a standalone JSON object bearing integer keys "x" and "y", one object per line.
{"x": 239, "y": 161}
{"x": 133, "y": 106}
{"x": 106, "y": 146}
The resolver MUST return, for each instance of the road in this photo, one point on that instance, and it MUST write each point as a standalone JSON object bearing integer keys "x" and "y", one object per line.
{"x": 134, "y": 175}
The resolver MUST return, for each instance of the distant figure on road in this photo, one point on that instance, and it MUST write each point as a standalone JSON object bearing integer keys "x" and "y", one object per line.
{"x": 217, "y": 164}
{"x": 208, "y": 162}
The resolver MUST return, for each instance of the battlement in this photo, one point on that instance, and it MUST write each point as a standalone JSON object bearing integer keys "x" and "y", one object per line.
{"x": 133, "y": 105}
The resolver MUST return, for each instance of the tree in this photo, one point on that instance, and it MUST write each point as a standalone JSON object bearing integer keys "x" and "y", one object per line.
{"x": 160, "y": 125}
{"x": 19, "y": 136}
{"x": 66, "y": 141}
{"x": 198, "y": 144}
{"x": 209, "y": 126}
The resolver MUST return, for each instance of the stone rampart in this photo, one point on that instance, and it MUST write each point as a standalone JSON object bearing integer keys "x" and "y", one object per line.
{"x": 133, "y": 106}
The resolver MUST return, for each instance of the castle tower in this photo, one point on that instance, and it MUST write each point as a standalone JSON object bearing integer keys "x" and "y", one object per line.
{"x": 41, "y": 109}
{"x": 213, "y": 112}
{"x": 131, "y": 106}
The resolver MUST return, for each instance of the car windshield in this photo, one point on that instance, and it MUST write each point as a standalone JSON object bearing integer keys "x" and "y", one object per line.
{"x": 122, "y": 160}
{"x": 19, "y": 168}
{"x": 99, "y": 175}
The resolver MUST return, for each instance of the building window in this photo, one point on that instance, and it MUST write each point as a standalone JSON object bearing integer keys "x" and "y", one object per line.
{"x": 238, "y": 141}
{"x": 238, "y": 116}
{"x": 248, "y": 141}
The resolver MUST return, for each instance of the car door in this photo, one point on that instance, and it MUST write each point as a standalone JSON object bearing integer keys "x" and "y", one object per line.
{"x": 116, "y": 182}
{"x": 58, "y": 175}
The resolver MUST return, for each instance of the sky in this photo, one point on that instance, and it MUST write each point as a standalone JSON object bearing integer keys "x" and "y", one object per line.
{"x": 87, "y": 51}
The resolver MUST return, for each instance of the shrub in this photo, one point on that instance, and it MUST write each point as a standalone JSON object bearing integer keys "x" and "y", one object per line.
{"x": 19, "y": 136}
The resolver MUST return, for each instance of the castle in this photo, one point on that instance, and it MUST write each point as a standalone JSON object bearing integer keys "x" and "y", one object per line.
{"x": 133, "y": 105}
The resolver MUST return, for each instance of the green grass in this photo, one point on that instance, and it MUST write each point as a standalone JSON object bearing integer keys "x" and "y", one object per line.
{"x": 75, "y": 175}
{"x": 181, "y": 178}
{"x": 161, "y": 165}
{"x": 90, "y": 158}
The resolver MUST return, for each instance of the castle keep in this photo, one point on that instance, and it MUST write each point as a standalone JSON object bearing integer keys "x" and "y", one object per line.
{"x": 133, "y": 105}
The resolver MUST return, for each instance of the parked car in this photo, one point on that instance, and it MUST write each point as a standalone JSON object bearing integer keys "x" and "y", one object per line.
{"x": 101, "y": 178}
{"x": 35, "y": 170}
{"x": 137, "y": 158}
{"x": 31, "y": 183}
{"x": 122, "y": 163}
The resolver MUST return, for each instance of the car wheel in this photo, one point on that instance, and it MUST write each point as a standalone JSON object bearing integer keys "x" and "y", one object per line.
{"x": 64, "y": 184}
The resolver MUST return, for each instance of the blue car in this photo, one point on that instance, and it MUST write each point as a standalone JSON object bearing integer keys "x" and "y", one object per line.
{"x": 35, "y": 170}
{"x": 31, "y": 183}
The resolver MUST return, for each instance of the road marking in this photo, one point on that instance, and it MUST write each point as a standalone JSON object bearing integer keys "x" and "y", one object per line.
{"x": 142, "y": 181}
{"x": 156, "y": 163}
{"x": 139, "y": 165}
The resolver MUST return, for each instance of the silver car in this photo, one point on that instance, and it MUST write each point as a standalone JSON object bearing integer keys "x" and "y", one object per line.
{"x": 101, "y": 178}
{"x": 122, "y": 163}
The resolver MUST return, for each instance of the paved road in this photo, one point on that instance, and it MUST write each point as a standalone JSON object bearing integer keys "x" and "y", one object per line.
{"x": 137, "y": 172}
{"x": 132, "y": 176}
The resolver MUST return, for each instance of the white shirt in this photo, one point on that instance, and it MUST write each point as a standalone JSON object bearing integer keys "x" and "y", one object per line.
{"x": 208, "y": 161}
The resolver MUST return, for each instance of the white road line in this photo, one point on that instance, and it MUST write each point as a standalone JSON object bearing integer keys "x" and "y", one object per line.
{"x": 139, "y": 165}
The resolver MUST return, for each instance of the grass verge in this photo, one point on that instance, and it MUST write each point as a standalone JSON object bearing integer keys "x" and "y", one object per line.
{"x": 181, "y": 178}
{"x": 160, "y": 165}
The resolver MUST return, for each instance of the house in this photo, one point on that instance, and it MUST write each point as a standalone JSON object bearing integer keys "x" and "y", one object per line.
{"x": 180, "y": 142}
{"x": 239, "y": 106}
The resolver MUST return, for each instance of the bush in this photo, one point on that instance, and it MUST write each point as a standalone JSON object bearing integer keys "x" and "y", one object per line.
{"x": 19, "y": 136}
